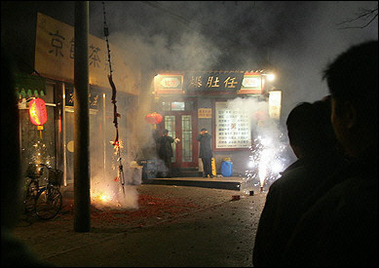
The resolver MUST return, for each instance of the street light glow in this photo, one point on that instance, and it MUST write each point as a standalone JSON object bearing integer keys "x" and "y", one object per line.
{"x": 270, "y": 77}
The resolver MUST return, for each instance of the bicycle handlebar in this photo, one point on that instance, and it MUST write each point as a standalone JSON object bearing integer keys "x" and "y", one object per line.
{"x": 44, "y": 165}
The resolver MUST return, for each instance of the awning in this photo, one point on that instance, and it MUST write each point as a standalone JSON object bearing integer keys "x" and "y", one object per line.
{"x": 27, "y": 85}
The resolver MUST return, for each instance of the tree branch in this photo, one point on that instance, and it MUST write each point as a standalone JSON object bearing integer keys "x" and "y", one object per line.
{"x": 364, "y": 15}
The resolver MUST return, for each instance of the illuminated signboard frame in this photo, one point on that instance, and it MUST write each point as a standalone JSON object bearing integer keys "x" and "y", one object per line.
{"x": 168, "y": 84}
{"x": 252, "y": 83}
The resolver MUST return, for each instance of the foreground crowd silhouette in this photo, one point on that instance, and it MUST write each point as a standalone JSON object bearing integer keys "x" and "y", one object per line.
{"x": 323, "y": 211}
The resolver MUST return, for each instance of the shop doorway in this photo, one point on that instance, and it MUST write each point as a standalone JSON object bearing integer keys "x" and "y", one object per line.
{"x": 181, "y": 124}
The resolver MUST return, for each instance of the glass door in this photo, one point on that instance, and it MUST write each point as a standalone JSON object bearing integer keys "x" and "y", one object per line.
{"x": 180, "y": 119}
{"x": 180, "y": 125}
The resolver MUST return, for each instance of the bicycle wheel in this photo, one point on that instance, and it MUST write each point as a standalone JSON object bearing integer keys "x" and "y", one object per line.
{"x": 48, "y": 202}
{"x": 30, "y": 196}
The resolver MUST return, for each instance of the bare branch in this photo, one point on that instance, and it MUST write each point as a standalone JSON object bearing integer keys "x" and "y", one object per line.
{"x": 365, "y": 14}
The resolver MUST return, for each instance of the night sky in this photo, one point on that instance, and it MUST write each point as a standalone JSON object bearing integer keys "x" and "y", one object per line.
{"x": 296, "y": 39}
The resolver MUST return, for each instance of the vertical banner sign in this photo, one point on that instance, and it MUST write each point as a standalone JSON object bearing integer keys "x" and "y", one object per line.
{"x": 232, "y": 127}
{"x": 274, "y": 104}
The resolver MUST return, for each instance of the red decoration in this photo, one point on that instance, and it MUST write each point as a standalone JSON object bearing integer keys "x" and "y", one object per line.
{"x": 37, "y": 112}
{"x": 154, "y": 118}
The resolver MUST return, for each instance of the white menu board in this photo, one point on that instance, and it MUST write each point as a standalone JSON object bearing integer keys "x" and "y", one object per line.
{"x": 232, "y": 127}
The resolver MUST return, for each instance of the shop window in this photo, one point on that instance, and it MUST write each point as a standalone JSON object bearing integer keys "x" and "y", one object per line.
{"x": 170, "y": 126}
{"x": 39, "y": 146}
{"x": 177, "y": 106}
{"x": 186, "y": 138}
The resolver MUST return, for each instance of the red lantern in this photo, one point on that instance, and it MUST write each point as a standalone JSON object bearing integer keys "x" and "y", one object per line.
{"x": 37, "y": 112}
{"x": 154, "y": 118}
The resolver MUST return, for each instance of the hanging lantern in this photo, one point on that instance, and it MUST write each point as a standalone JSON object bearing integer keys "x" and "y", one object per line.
{"x": 154, "y": 118}
{"x": 37, "y": 112}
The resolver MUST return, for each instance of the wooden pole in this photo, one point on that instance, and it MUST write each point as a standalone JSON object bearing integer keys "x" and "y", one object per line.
{"x": 81, "y": 120}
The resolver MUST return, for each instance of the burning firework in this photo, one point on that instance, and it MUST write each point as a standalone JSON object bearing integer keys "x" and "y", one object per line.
{"x": 106, "y": 193}
{"x": 265, "y": 162}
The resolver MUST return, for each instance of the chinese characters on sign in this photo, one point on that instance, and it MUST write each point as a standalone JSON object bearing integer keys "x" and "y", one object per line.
{"x": 252, "y": 83}
{"x": 168, "y": 84}
{"x": 213, "y": 81}
{"x": 209, "y": 82}
{"x": 54, "y": 56}
{"x": 232, "y": 127}
{"x": 56, "y": 43}
{"x": 204, "y": 113}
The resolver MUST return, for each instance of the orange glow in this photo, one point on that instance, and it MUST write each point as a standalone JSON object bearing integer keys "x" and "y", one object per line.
{"x": 101, "y": 197}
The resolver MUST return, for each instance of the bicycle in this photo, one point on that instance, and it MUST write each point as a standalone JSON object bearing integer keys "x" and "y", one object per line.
{"x": 45, "y": 201}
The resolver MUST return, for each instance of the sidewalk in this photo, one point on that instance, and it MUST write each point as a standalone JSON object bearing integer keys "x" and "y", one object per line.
{"x": 159, "y": 208}
{"x": 218, "y": 182}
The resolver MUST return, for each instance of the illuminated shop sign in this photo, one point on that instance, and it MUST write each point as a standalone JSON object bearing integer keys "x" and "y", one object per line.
{"x": 168, "y": 84}
{"x": 213, "y": 81}
{"x": 252, "y": 83}
{"x": 209, "y": 82}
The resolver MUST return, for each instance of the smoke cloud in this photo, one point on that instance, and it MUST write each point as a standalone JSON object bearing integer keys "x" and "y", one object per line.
{"x": 296, "y": 39}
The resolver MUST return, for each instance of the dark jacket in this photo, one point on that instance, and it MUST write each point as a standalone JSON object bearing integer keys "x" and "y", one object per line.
{"x": 286, "y": 203}
{"x": 205, "y": 145}
{"x": 164, "y": 146}
{"x": 341, "y": 228}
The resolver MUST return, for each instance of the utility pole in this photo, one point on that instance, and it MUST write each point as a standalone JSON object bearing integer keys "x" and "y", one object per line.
{"x": 81, "y": 120}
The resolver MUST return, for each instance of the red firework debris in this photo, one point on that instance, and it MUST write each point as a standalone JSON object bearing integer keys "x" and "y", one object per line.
{"x": 149, "y": 209}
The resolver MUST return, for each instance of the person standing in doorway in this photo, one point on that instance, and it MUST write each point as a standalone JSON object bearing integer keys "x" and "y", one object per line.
{"x": 165, "y": 151}
{"x": 205, "y": 152}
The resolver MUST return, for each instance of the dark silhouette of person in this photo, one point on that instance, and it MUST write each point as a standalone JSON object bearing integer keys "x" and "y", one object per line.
{"x": 14, "y": 253}
{"x": 165, "y": 151}
{"x": 341, "y": 228}
{"x": 313, "y": 142}
{"x": 205, "y": 152}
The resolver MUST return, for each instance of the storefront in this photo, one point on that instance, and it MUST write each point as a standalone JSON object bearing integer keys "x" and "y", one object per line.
{"x": 52, "y": 81}
{"x": 235, "y": 106}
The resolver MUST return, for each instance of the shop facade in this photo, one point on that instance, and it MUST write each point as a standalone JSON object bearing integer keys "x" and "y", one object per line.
{"x": 233, "y": 105}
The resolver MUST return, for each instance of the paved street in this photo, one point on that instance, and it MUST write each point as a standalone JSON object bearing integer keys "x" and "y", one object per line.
{"x": 172, "y": 226}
